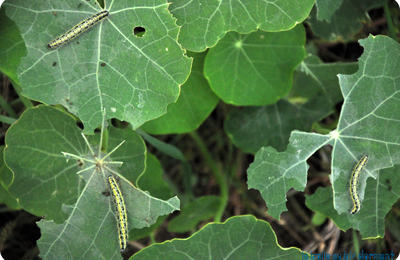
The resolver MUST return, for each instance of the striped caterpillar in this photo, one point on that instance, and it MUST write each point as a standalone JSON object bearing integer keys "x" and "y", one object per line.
{"x": 120, "y": 210}
{"x": 78, "y": 29}
{"x": 355, "y": 176}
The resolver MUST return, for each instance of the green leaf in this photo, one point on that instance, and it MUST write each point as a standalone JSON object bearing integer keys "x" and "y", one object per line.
{"x": 43, "y": 181}
{"x": 241, "y": 237}
{"x": 204, "y": 23}
{"x": 152, "y": 181}
{"x": 313, "y": 78}
{"x": 196, "y": 211}
{"x": 254, "y": 69}
{"x": 346, "y": 21}
{"x": 132, "y": 153}
{"x": 6, "y": 175}
{"x": 254, "y": 127}
{"x": 195, "y": 103}
{"x": 380, "y": 195}
{"x": 274, "y": 173}
{"x": 5, "y": 179}
{"x": 12, "y": 47}
{"x": 326, "y": 9}
{"x": 367, "y": 125}
{"x": 92, "y": 219}
{"x": 133, "y": 78}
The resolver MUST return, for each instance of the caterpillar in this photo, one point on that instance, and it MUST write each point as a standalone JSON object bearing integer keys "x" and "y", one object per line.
{"x": 355, "y": 176}
{"x": 120, "y": 210}
{"x": 78, "y": 29}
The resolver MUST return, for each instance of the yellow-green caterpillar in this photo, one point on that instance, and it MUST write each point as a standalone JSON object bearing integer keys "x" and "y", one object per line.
{"x": 355, "y": 176}
{"x": 120, "y": 210}
{"x": 78, "y": 29}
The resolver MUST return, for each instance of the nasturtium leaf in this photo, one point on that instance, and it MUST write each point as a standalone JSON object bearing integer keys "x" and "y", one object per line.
{"x": 12, "y": 47}
{"x": 274, "y": 173}
{"x": 6, "y": 177}
{"x": 380, "y": 195}
{"x": 108, "y": 67}
{"x": 91, "y": 232}
{"x": 198, "y": 210}
{"x": 313, "y": 78}
{"x": 242, "y": 237}
{"x": 43, "y": 181}
{"x": 7, "y": 199}
{"x": 326, "y": 9}
{"x": 152, "y": 181}
{"x": 132, "y": 152}
{"x": 195, "y": 103}
{"x": 368, "y": 124}
{"x": 251, "y": 128}
{"x": 346, "y": 21}
{"x": 204, "y": 22}
{"x": 255, "y": 69}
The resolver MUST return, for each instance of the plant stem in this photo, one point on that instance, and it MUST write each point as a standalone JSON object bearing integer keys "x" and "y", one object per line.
{"x": 7, "y": 120}
{"x": 218, "y": 175}
{"x": 4, "y": 105}
{"x": 389, "y": 21}
{"x": 174, "y": 152}
{"x": 356, "y": 243}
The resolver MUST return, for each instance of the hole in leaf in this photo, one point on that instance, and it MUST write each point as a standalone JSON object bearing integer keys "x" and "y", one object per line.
{"x": 139, "y": 31}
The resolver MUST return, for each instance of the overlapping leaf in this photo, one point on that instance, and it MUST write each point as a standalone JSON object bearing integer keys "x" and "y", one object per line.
{"x": 204, "y": 22}
{"x": 43, "y": 181}
{"x": 152, "y": 181}
{"x": 368, "y": 125}
{"x": 12, "y": 46}
{"x": 48, "y": 181}
{"x": 254, "y": 127}
{"x": 6, "y": 177}
{"x": 196, "y": 102}
{"x": 326, "y": 9}
{"x": 314, "y": 78}
{"x": 345, "y": 21}
{"x": 315, "y": 82}
{"x": 254, "y": 69}
{"x": 92, "y": 220}
{"x": 241, "y": 237}
{"x": 199, "y": 210}
{"x": 380, "y": 195}
{"x": 108, "y": 67}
